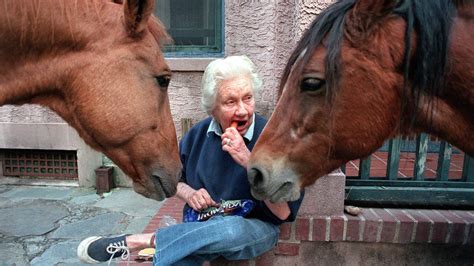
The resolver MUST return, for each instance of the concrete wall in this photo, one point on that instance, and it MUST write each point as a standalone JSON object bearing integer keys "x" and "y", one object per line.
{"x": 266, "y": 31}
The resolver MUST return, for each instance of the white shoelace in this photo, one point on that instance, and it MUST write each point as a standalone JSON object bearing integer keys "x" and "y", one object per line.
{"x": 113, "y": 248}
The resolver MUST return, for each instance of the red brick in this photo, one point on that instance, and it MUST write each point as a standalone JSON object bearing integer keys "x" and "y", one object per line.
{"x": 406, "y": 226}
{"x": 154, "y": 223}
{"x": 353, "y": 227}
{"x": 302, "y": 228}
{"x": 134, "y": 261}
{"x": 336, "y": 231}
{"x": 422, "y": 228}
{"x": 285, "y": 231}
{"x": 148, "y": 230}
{"x": 319, "y": 228}
{"x": 470, "y": 226}
{"x": 287, "y": 249}
{"x": 464, "y": 215}
{"x": 372, "y": 222}
{"x": 265, "y": 259}
{"x": 440, "y": 226}
{"x": 470, "y": 240}
{"x": 456, "y": 228}
{"x": 389, "y": 226}
{"x": 471, "y": 232}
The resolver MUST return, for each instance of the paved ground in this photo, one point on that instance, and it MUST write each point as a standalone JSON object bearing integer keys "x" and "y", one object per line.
{"x": 42, "y": 225}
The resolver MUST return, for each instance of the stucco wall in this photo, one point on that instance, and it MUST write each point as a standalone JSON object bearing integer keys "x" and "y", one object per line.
{"x": 28, "y": 113}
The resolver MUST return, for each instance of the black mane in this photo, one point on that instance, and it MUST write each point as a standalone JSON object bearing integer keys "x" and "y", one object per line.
{"x": 430, "y": 19}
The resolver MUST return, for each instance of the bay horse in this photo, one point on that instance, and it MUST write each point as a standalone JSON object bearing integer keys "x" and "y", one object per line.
{"x": 366, "y": 71}
{"x": 98, "y": 65}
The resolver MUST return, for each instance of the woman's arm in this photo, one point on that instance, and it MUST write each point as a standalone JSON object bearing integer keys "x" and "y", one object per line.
{"x": 184, "y": 191}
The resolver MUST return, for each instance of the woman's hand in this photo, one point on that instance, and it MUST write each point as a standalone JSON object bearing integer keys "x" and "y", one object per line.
{"x": 196, "y": 199}
{"x": 233, "y": 143}
{"x": 200, "y": 200}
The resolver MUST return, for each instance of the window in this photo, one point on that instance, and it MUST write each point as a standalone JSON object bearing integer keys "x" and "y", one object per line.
{"x": 196, "y": 26}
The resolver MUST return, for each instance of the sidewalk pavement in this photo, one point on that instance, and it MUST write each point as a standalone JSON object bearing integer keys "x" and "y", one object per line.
{"x": 43, "y": 225}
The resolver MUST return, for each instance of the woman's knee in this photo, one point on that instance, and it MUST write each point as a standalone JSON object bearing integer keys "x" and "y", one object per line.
{"x": 233, "y": 228}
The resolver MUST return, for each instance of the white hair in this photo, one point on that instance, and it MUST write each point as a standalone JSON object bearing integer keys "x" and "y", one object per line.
{"x": 224, "y": 69}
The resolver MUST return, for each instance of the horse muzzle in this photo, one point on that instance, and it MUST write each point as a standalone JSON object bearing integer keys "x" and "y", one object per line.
{"x": 275, "y": 186}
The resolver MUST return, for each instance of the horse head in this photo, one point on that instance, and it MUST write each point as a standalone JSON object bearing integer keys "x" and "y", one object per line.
{"x": 346, "y": 89}
{"x": 101, "y": 69}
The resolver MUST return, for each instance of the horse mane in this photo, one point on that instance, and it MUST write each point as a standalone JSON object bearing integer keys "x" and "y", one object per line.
{"x": 59, "y": 27}
{"x": 424, "y": 72}
{"x": 158, "y": 31}
{"x": 432, "y": 22}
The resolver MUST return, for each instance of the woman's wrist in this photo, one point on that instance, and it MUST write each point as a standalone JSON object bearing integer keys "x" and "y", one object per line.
{"x": 184, "y": 191}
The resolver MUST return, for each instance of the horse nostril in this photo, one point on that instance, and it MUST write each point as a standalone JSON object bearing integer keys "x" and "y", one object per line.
{"x": 256, "y": 177}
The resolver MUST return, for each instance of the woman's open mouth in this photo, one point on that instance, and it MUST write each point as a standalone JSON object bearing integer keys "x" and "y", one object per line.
{"x": 240, "y": 125}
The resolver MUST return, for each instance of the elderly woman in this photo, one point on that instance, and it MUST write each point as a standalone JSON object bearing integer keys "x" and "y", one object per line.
{"x": 214, "y": 154}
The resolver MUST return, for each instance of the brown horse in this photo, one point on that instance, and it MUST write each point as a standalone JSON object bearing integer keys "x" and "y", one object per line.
{"x": 364, "y": 72}
{"x": 98, "y": 64}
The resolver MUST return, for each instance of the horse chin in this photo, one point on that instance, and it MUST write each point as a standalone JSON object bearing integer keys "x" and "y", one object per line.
{"x": 287, "y": 191}
{"x": 160, "y": 183}
{"x": 156, "y": 194}
{"x": 156, "y": 187}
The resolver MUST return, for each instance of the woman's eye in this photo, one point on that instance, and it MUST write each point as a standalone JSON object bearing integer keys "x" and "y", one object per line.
{"x": 163, "y": 81}
{"x": 312, "y": 84}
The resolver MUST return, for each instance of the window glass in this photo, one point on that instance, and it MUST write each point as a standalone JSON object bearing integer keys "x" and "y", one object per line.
{"x": 196, "y": 26}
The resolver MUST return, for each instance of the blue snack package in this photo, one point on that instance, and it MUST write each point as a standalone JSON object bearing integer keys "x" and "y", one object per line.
{"x": 226, "y": 207}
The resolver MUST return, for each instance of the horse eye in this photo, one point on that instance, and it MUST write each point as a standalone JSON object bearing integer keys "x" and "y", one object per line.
{"x": 163, "y": 81}
{"x": 312, "y": 84}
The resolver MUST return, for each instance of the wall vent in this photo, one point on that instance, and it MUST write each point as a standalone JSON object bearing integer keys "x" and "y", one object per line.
{"x": 48, "y": 164}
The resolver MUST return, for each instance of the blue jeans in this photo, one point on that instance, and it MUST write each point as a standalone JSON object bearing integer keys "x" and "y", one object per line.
{"x": 233, "y": 237}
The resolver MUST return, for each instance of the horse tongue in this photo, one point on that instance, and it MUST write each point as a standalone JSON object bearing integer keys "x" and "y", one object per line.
{"x": 234, "y": 124}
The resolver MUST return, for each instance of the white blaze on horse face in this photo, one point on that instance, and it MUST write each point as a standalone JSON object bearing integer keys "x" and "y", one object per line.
{"x": 300, "y": 56}
{"x": 293, "y": 134}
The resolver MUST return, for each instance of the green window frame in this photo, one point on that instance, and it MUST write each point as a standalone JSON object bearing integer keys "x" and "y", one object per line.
{"x": 196, "y": 27}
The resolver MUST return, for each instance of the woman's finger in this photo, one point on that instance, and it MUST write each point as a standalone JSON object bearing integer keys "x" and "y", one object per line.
{"x": 207, "y": 197}
{"x": 192, "y": 205}
{"x": 203, "y": 202}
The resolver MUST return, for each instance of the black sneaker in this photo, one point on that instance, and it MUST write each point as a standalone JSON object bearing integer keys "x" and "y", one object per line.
{"x": 96, "y": 249}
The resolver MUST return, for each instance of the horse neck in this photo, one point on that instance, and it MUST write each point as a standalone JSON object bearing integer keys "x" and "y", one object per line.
{"x": 40, "y": 44}
{"x": 449, "y": 115}
{"x": 461, "y": 56}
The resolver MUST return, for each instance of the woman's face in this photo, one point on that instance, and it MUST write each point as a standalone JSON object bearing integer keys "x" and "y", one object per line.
{"x": 235, "y": 102}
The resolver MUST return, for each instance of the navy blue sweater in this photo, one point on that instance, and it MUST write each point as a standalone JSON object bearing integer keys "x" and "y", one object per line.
{"x": 206, "y": 165}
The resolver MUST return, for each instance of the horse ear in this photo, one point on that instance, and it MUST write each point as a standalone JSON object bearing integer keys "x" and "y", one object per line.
{"x": 365, "y": 14}
{"x": 136, "y": 14}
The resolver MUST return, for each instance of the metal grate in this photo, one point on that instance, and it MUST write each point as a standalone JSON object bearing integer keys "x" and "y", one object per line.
{"x": 422, "y": 172}
{"x": 40, "y": 163}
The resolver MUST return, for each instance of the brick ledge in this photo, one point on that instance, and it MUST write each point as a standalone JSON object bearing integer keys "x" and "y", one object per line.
{"x": 387, "y": 225}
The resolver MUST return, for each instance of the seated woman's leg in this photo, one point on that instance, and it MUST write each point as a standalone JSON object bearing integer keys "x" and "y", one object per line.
{"x": 233, "y": 237}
